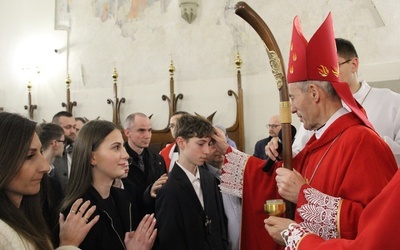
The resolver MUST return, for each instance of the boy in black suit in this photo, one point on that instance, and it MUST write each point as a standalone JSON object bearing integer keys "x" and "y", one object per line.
{"x": 189, "y": 209}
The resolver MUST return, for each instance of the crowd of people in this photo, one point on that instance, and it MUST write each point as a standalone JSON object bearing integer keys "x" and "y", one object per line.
{"x": 74, "y": 183}
{"x": 120, "y": 180}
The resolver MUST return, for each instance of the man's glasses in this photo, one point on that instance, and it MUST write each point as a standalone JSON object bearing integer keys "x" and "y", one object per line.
{"x": 348, "y": 60}
{"x": 273, "y": 126}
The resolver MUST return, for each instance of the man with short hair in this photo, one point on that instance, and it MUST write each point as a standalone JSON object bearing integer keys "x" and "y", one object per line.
{"x": 274, "y": 126}
{"x": 68, "y": 123}
{"x": 52, "y": 138}
{"x": 147, "y": 169}
{"x": 62, "y": 166}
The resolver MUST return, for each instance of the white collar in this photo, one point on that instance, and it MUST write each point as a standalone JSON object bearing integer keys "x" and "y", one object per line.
{"x": 342, "y": 111}
{"x": 191, "y": 177}
{"x": 362, "y": 92}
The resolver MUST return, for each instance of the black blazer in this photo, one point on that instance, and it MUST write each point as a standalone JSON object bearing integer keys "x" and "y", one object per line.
{"x": 61, "y": 171}
{"x": 154, "y": 167}
{"x": 181, "y": 220}
{"x": 259, "y": 149}
{"x": 109, "y": 231}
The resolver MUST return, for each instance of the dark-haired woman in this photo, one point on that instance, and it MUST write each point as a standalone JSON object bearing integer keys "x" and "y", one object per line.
{"x": 98, "y": 158}
{"x": 22, "y": 167}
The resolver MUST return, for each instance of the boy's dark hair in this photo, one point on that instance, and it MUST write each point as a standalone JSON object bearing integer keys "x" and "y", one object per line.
{"x": 48, "y": 132}
{"x": 180, "y": 113}
{"x": 189, "y": 126}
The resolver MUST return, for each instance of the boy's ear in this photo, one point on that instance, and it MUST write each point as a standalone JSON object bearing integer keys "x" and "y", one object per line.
{"x": 180, "y": 142}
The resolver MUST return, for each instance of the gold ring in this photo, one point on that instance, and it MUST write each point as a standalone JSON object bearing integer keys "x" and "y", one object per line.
{"x": 86, "y": 219}
{"x": 72, "y": 211}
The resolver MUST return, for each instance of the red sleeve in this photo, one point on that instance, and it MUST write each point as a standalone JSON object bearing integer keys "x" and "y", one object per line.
{"x": 340, "y": 217}
{"x": 377, "y": 228}
{"x": 258, "y": 186}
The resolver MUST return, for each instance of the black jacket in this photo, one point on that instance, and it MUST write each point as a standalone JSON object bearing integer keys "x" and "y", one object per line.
{"x": 154, "y": 167}
{"x": 109, "y": 231}
{"x": 259, "y": 149}
{"x": 51, "y": 198}
{"x": 181, "y": 220}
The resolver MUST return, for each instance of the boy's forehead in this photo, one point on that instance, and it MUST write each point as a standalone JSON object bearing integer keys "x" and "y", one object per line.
{"x": 205, "y": 138}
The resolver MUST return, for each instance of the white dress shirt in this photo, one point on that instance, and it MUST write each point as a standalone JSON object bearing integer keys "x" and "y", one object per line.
{"x": 195, "y": 180}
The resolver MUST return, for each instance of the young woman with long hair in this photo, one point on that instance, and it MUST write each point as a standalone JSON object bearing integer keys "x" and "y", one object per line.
{"x": 22, "y": 167}
{"x": 98, "y": 158}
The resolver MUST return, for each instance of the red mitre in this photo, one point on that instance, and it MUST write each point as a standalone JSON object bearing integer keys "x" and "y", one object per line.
{"x": 317, "y": 60}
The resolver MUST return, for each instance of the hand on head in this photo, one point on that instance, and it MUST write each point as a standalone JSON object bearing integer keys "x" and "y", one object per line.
{"x": 220, "y": 140}
{"x": 76, "y": 226}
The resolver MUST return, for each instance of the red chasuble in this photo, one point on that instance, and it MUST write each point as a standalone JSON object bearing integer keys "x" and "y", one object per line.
{"x": 350, "y": 162}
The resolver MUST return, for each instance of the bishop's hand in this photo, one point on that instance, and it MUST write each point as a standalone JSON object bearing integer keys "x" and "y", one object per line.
{"x": 289, "y": 183}
{"x": 219, "y": 139}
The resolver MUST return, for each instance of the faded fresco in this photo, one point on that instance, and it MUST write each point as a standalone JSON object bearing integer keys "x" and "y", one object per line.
{"x": 121, "y": 9}
{"x": 126, "y": 13}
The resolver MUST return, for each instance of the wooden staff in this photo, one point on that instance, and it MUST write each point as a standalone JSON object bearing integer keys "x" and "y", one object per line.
{"x": 275, "y": 59}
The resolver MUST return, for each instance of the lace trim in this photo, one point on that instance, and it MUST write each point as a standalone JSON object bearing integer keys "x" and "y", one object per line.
{"x": 233, "y": 171}
{"x": 293, "y": 235}
{"x": 320, "y": 214}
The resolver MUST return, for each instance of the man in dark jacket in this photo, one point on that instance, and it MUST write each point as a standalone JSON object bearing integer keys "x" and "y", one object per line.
{"x": 274, "y": 126}
{"x": 62, "y": 165}
{"x": 147, "y": 169}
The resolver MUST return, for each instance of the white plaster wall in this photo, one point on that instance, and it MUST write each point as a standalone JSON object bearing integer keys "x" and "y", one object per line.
{"x": 203, "y": 53}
